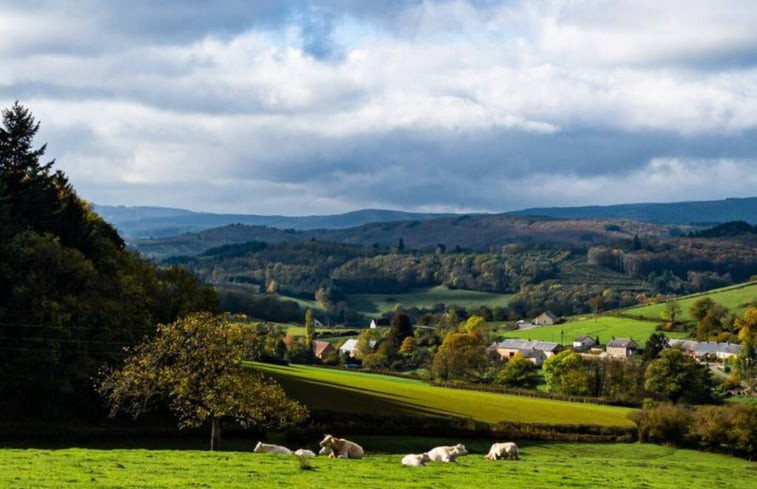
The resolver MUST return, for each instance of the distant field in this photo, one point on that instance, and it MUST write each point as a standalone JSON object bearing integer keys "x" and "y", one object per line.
{"x": 734, "y": 298}
{"x": 606, "y": 327}
{"x": 376, "y": 304}
{"x": 358, "y": 392}
{"x": 304, "y": 303}
{"x": 544, "y": 465}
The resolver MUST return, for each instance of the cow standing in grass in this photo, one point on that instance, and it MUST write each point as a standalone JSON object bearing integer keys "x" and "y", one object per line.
{"x": 507, "y": 450}
{"x": 341, "y": 448}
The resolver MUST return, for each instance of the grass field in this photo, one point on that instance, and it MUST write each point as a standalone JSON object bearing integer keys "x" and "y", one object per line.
{"x": 606, "y": 327}
{"x": 358, "y": 392}
{"x": 376, "y": 304}
{"x": 544, "y": 465}
{"x": 734, "y": 298}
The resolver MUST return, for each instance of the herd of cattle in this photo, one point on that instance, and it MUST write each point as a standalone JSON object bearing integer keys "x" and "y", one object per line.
{"x": 341, "y": 448}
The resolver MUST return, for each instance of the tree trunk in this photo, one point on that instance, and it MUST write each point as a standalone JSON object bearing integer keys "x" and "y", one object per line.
{"x": 215, "y": 435}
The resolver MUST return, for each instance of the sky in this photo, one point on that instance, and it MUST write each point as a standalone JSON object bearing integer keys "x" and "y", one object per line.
{"x": 300, "y": 107}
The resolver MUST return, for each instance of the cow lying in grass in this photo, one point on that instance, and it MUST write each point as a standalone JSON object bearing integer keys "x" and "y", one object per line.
{"x": 507, "y": 450}
{"x": 303, "y": 452}
{"x": 416, "y": 460}
{"x": 341, "y": 448}
{"x": 268, "y": 448}
{"x": 447, "y": 453}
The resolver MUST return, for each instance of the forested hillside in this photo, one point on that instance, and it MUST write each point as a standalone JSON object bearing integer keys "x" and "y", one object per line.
{"x": 476, "y": 232}
{"x": 71, "y": 295}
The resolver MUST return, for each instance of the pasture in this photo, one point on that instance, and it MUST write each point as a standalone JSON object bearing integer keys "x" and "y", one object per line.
{"x": 358, "y": 392}
{"x": 377, "y": 304}
{"x": 545, "y": 465}
{"x": 606, "y": 327}
{"x": 735, "y": 298}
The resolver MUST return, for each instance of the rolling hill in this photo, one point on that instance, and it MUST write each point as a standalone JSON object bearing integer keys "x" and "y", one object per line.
{"x": 476, "y": 232}
{"x": 158, "y": 222}
{"x": 702, "y": 212}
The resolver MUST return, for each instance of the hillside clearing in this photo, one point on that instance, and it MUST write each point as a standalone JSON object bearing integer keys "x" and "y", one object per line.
{"x": 735, "y": 298}
{"x": 377, "y": 304}
{"x": 364, "y": 393}
{"x": 606, "y": 327}
{"x": 549, "y": 465}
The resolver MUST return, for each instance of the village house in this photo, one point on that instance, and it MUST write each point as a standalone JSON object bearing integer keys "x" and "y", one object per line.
{"x": 583, "y": 343}
{"x": 706, "y": 351}
{"x": 545, "y": 319}
{"x": 621, "y": 347}
{"x": 350, "y": 347}
{"x": 322, "y": 349}
{"x": 508, "y": 348}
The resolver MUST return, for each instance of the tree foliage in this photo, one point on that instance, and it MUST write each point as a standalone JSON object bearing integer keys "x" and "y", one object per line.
{"x": 675, "y": 376}
{"x": 194, "y": 365}
{"x": 565, "y": 373}
{"x": 460, "y": 357}
{"x": 71, "y": 295}
{"x": 518, "y": 372}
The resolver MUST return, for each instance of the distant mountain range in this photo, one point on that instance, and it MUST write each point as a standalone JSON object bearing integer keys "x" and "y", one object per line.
{"x": 474, "y": 232}
{"x": 698, "y": 213}
{"x": 160, "y": 222}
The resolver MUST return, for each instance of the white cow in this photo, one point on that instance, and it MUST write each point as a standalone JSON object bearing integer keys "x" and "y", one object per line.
{"x": 447, "y": 453}
{"x": 341, "y": 448}
{"x": 325, "y": 451}
{"x": 303, "y": 452}
{"x": 416, "y": 460}
{"x": 268, "y": 448}
{"x": 507, "y": 450}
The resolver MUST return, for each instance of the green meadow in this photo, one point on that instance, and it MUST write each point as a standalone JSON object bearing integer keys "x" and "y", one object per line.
{"x": 544, "y": 465}
{"x": 735, "y": 298}
{"x": 359, "y": 392}
{"x": 377, "y": 304}
{"x": 606, "y": 327}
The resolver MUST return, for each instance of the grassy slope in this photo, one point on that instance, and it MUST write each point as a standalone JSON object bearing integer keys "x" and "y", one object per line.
{"x": 550, "y": 465}
{"x": 734, "y": 298}
{"x": 606, "y": 327}
{"x": 345, "y": 391}
{"x": 376, "y": 304}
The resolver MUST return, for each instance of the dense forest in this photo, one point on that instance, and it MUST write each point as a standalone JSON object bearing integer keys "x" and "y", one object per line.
{"x": 565, "y": 278}
{"x": 71, "y": 295}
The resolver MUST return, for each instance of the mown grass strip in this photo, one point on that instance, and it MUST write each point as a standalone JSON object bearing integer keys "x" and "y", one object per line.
{"x": 357, "y": 392}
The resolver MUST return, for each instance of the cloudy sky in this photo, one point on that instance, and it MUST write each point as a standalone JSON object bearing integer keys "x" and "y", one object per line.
{"x": 315, "y": 107}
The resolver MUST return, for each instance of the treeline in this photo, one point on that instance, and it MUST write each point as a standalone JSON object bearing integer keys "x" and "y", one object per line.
{"x": 682, "y": 265}
{"x": 731, "y": 428}
{"x": 301, "y": 268}
{"x": 71, "y": 296}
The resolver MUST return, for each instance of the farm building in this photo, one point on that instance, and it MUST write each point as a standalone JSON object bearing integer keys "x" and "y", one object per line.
{"x": 508, "y": 348}
{"x": 621, "y": 347}
{"x": 377, "y": 323}
{"x": 350, "y": 347}
{"x": 322, "y": 348}
{"x": 703, "y": 351}
{"x": 583, "y": 343}
{"x": 545, "y": 319}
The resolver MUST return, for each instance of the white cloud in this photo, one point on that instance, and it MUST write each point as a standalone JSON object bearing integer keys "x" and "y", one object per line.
{"x": 432, "y": 95}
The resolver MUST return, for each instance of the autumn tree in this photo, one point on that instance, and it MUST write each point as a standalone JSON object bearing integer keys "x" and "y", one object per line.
{"x": 518, "y": 372}
{"x": 400, "y": 328}
{"x": 309, "y": 328}
{"x": 195, "y": 366}
{"x": 671, "y": 312}
{"x": 476, "y": 326}
{"x": 459, "y": 357}
{"x": 565, "y": 373}
{"x": 746, "y": 325}
{"x": 675, "y": 376}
